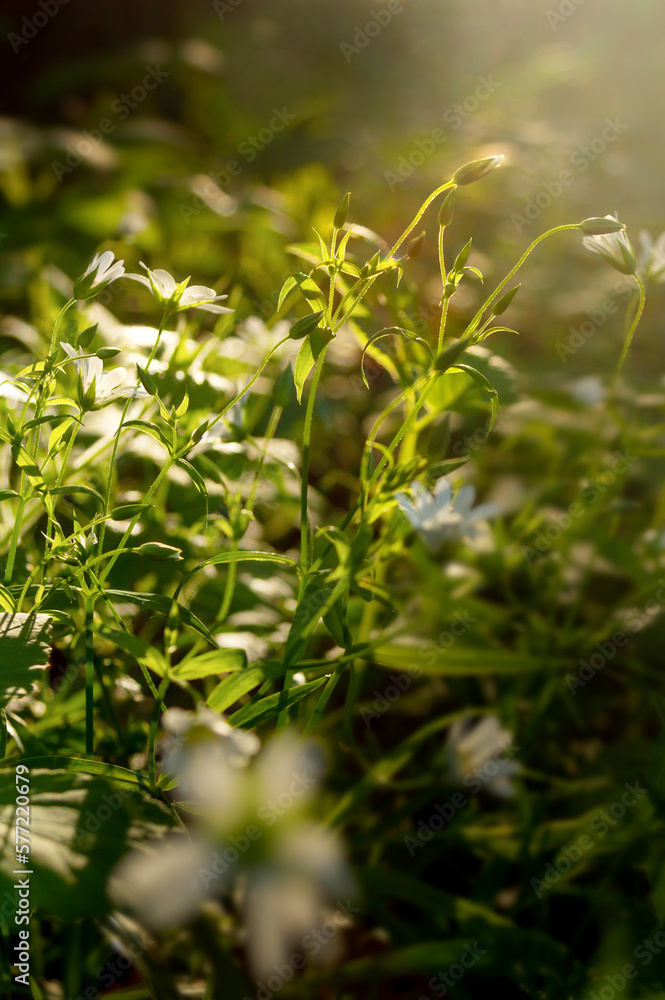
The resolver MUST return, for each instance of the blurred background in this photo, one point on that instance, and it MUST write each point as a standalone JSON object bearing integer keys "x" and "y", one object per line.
{"x": 196, "y": 172}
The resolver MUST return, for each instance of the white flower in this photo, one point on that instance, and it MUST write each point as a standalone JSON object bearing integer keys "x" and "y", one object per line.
{"x": 615, "y": 248}
{"x": 472, "y": 755}
{"x": 176, "y": 297}
{"x": 160, "y": 883}
{"x": 206, "y": 755}
{"x": 107, "y": 385}
{"x": 439, "y": 518}
{"x": 100, "y": 272}
{"x": 588, "y": 390}
{"x": 652, "y": 257}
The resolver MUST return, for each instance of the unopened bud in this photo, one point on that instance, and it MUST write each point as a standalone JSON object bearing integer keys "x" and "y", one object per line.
{"x": 601, "y": 227}
{"x": 504, "y": 301}
{"x": 476, "y": 169}
{"x": 158, "y": 551}
{"x": 342, "y": 211}
{"x": 415, "y": 246}
{"x": 306, "y": 325}
{"x": 447, "y": 209}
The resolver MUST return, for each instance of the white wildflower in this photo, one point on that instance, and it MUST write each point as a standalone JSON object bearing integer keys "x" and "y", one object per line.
{"x": 615, "y": 248}
{"x": 439, "y": 517}
{"x": 174, "y": 297}
{"x": 102, "y": 270}
{"x": 97, "y": 387}
{"x": 473, "y": 754}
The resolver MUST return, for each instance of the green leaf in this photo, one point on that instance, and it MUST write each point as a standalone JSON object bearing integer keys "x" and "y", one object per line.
{"x": 232, "y": 688}
{"x": 464, "y": 662}
{"x": 85, "y": 490}
{"x": 308, "y": 354}
{"x": 246, "y": 556}
{"x": 149, "y": 428}
{"x": 25, "y": 646}
{"x": 266, "y": 708}
{"x": 162, "y": 604}
{"x": 288, "y": 285}
{"x": 219, "y": 661}
{"x": 400, "y": 331}
{"x": 194, "y": 475}
{"x": 143, "y": 652}
{"x": 9, "y": 495}
{"x": 128, "y": 511}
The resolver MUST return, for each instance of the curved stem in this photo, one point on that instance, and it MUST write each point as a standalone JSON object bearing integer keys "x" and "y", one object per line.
{"x": 58, "y": 321}
{"x": 633, "y": 326}
{"x": 497, "y": 291}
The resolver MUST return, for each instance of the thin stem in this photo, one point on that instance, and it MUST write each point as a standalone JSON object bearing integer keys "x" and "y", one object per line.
{"x": 306, "y": 441}
{"x": 89, "y": 677}
{"x": 633, "y": 326}
{"x": 445, "y": 298}
{"x": 58, "y": 321}
{"x": 497, "y": 291}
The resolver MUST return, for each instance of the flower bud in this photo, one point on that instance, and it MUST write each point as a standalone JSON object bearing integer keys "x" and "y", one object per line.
{"x": 462, "y": 257}
{"x": 147, "y": 381}
{"x": 342, "y": 211}
{"x": 87, "y": 398}
{"x": 601, "y": 227}
{"x": 159, "y": 551}
{"x": 86, "y": 336}
{"x": 306, "y": 325}
{"x": 415, "y": 246}
{"x": 502, "y": 304}
{"x": 447, "y": 209}
{"x": 108, "y": 352}
{"x": 450, "y": 354}
{"x": 476, "y": 169}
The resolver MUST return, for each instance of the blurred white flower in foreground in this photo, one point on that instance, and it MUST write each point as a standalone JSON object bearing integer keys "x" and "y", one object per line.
{"x": 281, "y": 869}
{"x": 102, "y": 270}
{"x": 176, "y": 297}
{"x": 652, "y": 257}
{"x": 472, "y": 752}
{"x": 206, "y": 755}
{"x": 615, "y": 248}
{"x": 439, "y": 517}
{"x": 108, "y": 386}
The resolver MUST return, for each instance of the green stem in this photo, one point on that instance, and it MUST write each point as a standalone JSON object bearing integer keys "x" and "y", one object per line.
{"x": 58, "y": 321}
{"x": 497, "y": 291}
{"x": 306, "y": 441}
{"x": 154, "y": 722}
{"x": 633, "y": 326}
{"x": 446, "y": 298}
{"x": 89, "y": 677}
